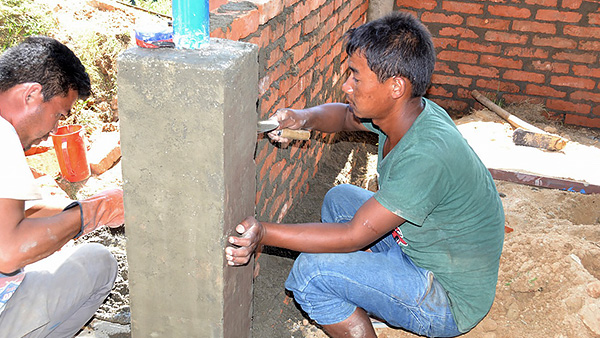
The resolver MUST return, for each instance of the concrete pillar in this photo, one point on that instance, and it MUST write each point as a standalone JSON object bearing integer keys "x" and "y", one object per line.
{"x": 188, "y": 134}
{"x": 379, "y": 8}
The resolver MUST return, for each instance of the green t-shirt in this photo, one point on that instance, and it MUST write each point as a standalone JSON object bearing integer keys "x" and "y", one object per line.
{"x": 454, "y": 218}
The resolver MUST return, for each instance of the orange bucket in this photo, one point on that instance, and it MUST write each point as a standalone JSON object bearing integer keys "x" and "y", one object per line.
{"x": 71, "y": 152}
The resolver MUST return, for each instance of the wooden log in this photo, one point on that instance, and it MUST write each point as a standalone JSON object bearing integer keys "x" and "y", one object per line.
{"x": 526, "y": 134}
{"x": 522, "y": 137}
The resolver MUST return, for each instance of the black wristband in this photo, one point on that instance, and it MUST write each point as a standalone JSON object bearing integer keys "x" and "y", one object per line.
{"x": 71, "y": 206}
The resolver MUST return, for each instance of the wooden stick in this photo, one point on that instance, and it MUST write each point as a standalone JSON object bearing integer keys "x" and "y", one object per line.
{"x": 513, "y": 120}
{"x": 526, "y": 134}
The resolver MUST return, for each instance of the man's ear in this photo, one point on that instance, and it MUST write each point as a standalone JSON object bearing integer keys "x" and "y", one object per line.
{"x": 32, "y": 93}
{"x": 400, "y": 86}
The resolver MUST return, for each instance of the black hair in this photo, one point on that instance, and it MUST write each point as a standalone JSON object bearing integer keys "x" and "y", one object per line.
{"x": 45, "y": 61}
{"x": 397, "y": 44}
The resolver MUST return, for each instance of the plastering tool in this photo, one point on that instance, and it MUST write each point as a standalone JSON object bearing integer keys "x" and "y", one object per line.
{"x": 268, "y": 125}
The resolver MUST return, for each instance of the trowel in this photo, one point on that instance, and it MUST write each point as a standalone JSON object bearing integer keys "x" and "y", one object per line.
{"x": 292, "y": 134}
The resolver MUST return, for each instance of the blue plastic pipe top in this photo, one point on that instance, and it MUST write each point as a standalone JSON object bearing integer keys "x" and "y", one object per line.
{"x": 190, "y": 23}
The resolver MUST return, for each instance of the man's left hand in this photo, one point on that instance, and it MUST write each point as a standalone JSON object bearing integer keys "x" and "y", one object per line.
{"x": 251, "y": 232}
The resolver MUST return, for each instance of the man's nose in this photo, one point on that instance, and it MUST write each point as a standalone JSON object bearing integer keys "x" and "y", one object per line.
{"x": 346, "y": 87}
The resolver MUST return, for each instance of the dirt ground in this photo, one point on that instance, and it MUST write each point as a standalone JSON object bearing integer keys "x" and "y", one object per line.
{"x": 549, "y": 271}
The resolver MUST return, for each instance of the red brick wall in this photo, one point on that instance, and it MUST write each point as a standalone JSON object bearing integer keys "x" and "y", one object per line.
{"x": 543, "y": 50}
{"x": 301, "y": 63}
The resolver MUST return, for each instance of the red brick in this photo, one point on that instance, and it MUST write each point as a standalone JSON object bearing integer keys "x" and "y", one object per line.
{"x": 417, "y": 4}
{"x": 299, "y": 51}
{"x": 316, "y": 89}
{"x": 477, "y": 71}
{"x": 464, "y": 93}
{"x": 301, "y": 11}
{"x": 536, "y": 27}
{"x": 582, "y": 32}
{"x": 307, "y": 63}
{"x": 497, "y": 85}
{"x": 266, "y": 166}
{"x": 501, "y": 62}
{"x": 311, "y": 23}
{"x": 462, "y": 7}
{"x": 590, "y": 58}
{"x": 298, "y": 88}
{"x": 586, "y": 71}
{"x": 453, "y": 105}
{"x": 581, "y": 95}
{"x": 589, "y": 45}
{"x": 263, "y": 38}
{"x": 545, "y": 3}
{"x": 266, "y": 103}
{"x": 442, "y": 18}
{"x": 556, "y": 42}
{"x": 268, "y": 10}
{"x": 594, "y": 18}
{"x": 244, "y": 25}
{"x": 545, "y": 91}
{"x": 292, "y": 37}
{"x": 526, "y": 52}
{"x": 497, "y": 24}
{"x": 506, "y": 37}
{"x": 449, "y": 55}
{"x": 444, "y": 43}
{"x": 262, "y": 154}
{"x": 554, "y": 67}
{"x": 443, "y": 67}
{"x": 451, "y": 80}
{"x": 459, "y": 32}
{"x": 522, "y": 76}
{"x": 439, "y": 91}
{"x": 509, "y": 11}
{"x": 477, "y": 47}
{"x": 554, "y": 15}
{"x": 571, "y": 4}
{"x": 521, "y": 98}
{"x": 568, "y": 106}
{"x": 216, "y": 4}
{"x": 274, "y": 56}
{"x": 276, "y": 169}
{"x": 582, "y": 121}
{"x": 574, "y": 82}
{"x": 104, "y": 152}
{"x": 327, "y": 10}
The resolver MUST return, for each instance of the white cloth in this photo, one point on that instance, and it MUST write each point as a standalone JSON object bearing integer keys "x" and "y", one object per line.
{"x": 16, "y": 182}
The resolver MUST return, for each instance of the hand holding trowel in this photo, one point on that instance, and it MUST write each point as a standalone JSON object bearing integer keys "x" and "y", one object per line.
{"x": 292, "y": 134}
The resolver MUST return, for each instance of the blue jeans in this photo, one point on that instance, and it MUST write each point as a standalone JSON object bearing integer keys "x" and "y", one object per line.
{"x": 384, "y": 282}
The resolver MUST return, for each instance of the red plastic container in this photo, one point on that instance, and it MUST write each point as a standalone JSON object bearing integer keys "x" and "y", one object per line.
{"x": 71, "y": 152}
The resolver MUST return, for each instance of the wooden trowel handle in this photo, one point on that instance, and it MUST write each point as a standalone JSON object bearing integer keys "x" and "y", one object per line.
{"x": 295, "y": 134}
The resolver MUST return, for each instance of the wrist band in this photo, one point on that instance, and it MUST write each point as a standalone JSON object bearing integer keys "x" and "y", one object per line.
{"x": 71, "y": 206}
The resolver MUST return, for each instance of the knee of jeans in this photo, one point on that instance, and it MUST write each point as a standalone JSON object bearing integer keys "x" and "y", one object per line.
{"x": 302, "y": 272}
{"x": 330, "y": 201}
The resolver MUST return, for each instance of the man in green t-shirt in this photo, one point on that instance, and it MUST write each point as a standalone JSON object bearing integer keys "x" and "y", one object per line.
{"x": 421, "y": 253}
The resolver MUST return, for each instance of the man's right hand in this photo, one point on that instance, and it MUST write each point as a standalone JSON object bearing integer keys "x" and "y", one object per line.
{"x": 251, "y": 232}
{"x": 287, "y": 118}
{"x": 105, "y": 208}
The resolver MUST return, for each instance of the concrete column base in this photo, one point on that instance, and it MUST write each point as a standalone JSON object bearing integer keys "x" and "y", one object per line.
{"x": 188, "y": 135}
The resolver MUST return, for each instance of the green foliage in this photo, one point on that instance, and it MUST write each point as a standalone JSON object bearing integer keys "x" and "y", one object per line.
{"x": 158, "y": 6}
{"x": 22, "y": 18}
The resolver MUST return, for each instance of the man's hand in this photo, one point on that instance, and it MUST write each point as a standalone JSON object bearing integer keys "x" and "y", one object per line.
{"x": 251, "y": 232}
{"x": 105, "y": 208}
{"x": 287, "y": 118}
